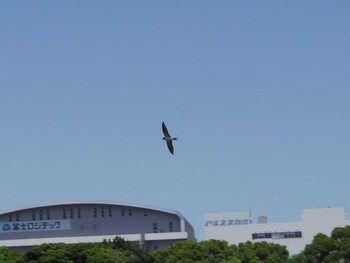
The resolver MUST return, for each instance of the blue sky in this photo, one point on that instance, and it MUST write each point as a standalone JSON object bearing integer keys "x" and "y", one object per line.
{"x": 257, "y": 91}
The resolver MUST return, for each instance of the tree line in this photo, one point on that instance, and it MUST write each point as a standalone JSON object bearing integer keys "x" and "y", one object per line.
{"x": 325, "y": 249}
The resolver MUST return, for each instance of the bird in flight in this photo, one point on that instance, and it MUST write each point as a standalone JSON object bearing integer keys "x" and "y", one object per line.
{"x": 169, "y": 140}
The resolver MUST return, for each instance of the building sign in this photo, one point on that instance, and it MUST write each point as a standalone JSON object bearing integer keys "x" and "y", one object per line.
{"x": 25, "y": 226}
{"x": 227, "y": 222}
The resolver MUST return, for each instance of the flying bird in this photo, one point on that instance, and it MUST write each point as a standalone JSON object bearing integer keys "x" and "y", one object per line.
{"x": 169, "y": 140}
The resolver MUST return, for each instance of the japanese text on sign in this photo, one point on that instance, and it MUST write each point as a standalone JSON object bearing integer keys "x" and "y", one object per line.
{"x": 229, "y": 222}
{"x": 48, "y": 225}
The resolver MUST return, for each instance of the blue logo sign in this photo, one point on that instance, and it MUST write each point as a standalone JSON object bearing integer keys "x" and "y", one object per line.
{"x": 6, "y": 227}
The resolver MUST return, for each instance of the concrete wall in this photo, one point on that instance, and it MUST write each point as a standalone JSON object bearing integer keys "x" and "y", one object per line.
{"x": 314, "y": 221}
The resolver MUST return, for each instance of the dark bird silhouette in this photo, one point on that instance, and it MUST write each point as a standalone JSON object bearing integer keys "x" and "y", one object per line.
{"x": 169, "y": 140}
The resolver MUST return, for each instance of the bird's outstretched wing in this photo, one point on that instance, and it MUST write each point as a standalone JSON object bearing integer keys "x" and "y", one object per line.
{"x": 170, "y": 146}
{"x": 165, "y": 131}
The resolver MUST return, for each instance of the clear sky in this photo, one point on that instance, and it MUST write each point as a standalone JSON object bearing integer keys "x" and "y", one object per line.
{"x": 257, "y": 91}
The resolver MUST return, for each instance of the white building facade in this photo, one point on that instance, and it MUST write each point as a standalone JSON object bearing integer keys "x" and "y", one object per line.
{"x": 236, "y": 228}
{"x": 76, "y": 222}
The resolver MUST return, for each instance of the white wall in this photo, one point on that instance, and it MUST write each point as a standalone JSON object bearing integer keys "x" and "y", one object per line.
{"x": 314, "y": 221}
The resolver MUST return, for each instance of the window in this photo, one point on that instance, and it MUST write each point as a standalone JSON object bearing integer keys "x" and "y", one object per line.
{"x": 145, "y": 212}
{"x": 10, "y": 218}
{"x": 33, "y": 215}
{"x": 71, "y": 213}
{"x": 170, "y": 226}
{"x": 95, "y": 211}
{"x": 40, "y": 214}
{"x": 64, "y": 213}
{"x": 102, "y": 211}
{"x": 130, "y": 212}
{"x": 155, "y": 228}
{"x": 48, "y": 214}
{"x": 17, "y": 217}
{"x": 78, "y": 212}
{"x": 110, "y": 211}
{"x": 261, "y": 235}
{"x": 277, "y": 235}
{"x": 123, "y": 212}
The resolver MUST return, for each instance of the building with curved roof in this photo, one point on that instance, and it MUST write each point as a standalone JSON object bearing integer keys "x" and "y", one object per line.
{"x": 93, "y": 221}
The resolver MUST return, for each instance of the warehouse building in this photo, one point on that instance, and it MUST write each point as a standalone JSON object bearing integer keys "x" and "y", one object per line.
{"x": 236, "y": 228}
{"x": 76, "y": 222}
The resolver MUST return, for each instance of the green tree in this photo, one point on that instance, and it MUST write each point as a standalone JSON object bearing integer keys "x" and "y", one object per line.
{"x": 335, "y": 248}
{"x": 299, "y": 258}
{"x": 246, "y": 252}
{"x": 78, "y": 253}
{"x": 48, "y": 253}
{"x": 319, "y": 249}
{"x": 185, "y": 251}
{"x": 262, "y": 252}
{"x": 9, "y": 256}
{"x": 341, "y": 237}
{"x": 212, "y": 251}
{"x": 341, "y": 233}
{"x": 270, "y": 253}
{"x": 131, "y": 250}
{"x": 103, "y": 254}
{"x": 218, "y": 251}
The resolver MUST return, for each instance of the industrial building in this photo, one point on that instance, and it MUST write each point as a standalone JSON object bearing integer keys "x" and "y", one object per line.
{"x": 236, "y": 228}
{"x": 76, "y": 222}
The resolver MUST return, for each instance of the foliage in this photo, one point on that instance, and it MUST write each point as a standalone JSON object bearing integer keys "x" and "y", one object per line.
{"x": 131, "y": 250}
{"x": 77, "y": 253}
{"x": 262, "y": 252}
{"x": 335, "y": 248}
{"x": 215, "y": 251}
{"x": 9, "y": 256}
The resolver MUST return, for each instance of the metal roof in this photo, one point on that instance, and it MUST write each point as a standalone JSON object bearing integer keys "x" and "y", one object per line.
{"x": 94, "y": 202}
